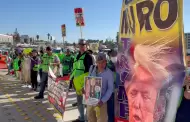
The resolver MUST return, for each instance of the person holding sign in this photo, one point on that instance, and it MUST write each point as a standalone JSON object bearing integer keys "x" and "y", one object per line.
{"x": 98, "y": 113}
{"x": 81, "y": 66}
{"x": 48, "y": 59}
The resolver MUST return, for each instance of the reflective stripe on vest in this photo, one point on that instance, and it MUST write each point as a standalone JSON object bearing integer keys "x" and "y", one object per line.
{"x": 78, "y": 66}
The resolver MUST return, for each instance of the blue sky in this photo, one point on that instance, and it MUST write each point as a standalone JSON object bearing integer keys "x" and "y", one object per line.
{"x": 32, "y": 17}
{"x": 42, "y": 16}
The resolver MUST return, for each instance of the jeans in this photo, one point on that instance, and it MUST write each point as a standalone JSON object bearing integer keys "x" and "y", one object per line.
{"x": 110, "y": 108}
{"x": 80, "y": 106}
{"x": 40, "y": 73}
{"x": 43, "y": 83}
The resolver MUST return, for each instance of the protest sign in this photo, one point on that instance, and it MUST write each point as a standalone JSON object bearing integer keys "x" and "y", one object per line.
{"x": 92, "y": 88}
{"x": 79, "y": 16}
{"x": 150, "y": 60}
{"x": 57, "y": 92}
{"x": 63, "y": 30}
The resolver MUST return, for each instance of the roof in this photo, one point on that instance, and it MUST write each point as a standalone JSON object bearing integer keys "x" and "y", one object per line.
{"x": 6, "y": 35}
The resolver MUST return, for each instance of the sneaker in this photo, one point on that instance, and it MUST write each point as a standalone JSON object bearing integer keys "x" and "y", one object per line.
{"x": 38, "y": 97}
{"x": 29, "y": 86}
{"x": 74, "y": 104}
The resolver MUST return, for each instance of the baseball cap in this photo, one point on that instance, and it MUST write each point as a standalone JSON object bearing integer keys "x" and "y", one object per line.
{"x": 101, "y": 56}
{"x": 82, "y": 42}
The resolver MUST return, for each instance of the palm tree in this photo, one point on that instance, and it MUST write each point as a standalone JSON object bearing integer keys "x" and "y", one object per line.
{"x": 37, "y": 37}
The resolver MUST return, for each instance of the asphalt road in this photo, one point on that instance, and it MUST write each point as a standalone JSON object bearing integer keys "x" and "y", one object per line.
{"x": 17, "y": 104}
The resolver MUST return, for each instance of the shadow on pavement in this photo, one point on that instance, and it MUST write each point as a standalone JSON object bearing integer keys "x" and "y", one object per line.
{"x": 18, "y": 105}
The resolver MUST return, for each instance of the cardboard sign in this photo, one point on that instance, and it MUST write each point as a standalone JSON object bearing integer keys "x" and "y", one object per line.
{"x": 57, "y": 92}
{"x": 79, "y": 17}
{"x": 150, "y": 60}
{"x": 63, "y": 30}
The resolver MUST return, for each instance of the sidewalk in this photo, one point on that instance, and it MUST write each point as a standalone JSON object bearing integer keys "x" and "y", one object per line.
{"x": 17, "y": 104}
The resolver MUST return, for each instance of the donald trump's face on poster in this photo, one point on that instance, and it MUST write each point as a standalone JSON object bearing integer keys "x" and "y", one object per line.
{"x": 142, "y": 99}
{"x": 142, "y": 93}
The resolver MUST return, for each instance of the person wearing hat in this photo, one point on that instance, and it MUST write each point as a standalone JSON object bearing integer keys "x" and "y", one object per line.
{"x": 67, "y": 63}
{"x": 49, "y": 59}
{"x": 34, "y": 69}
{"x": 81, "y": 66}
{"x": 111, "y": 65}
{"x": 101, "y": 70}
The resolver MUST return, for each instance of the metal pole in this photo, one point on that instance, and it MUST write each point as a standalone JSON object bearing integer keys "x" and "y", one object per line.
{"x": 81, "y": 31}
{"x": 63, "y": 42}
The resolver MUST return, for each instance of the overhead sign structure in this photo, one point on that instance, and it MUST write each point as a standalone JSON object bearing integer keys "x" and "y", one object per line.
{"x": 79, "y": 17}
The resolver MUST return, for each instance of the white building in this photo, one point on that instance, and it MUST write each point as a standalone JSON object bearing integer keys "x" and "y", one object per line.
{"x": 187, "y": 39}
{"x": 6, "y": 39}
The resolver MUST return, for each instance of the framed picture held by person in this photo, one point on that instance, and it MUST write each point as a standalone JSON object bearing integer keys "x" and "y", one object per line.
{"x": 92, "y": 89}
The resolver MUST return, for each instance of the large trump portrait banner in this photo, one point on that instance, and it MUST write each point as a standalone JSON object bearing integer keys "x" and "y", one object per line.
{"x": 150, "y": 60}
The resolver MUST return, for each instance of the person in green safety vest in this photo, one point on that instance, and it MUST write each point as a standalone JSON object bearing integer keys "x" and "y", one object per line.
{"x": 49, "y": 59}
{"x": 61, "y": 56}
{"x": 16, "y": 66}
{"x": 67, "y": 63}
{"x": 40, "y": 65}
{"x": 34, "y": 70}
{"x": 81, "y": 66}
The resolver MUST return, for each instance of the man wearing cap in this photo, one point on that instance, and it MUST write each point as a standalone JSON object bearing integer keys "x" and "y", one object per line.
{"x": 81, "y": 66}
{"x": 106, "y": 74}
{"x": 48, "y": 59}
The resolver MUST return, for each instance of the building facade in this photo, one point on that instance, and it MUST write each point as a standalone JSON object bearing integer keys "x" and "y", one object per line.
{"x": 187, "y": 39}
{"x": 6, "y": 39}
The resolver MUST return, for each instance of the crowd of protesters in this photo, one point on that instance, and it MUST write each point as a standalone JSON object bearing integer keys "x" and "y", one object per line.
{"x": 28, "y": 66}
{"x": 34, "y": 65}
